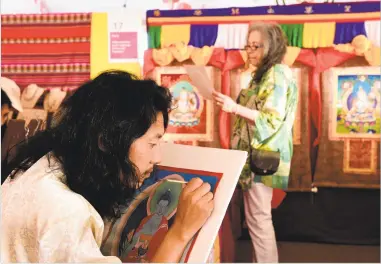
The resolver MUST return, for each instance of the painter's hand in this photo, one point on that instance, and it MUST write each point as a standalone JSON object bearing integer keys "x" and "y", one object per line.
{"x": 228, "y": 104}
{"x": 195, "y": 206}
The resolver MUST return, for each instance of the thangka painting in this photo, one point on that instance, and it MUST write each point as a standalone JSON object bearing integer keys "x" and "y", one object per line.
{"x": 355, "y": 106}
{"x": 244, "y": 82}
{"x": 136, "y": 236}
{"x": 191, "y": 117}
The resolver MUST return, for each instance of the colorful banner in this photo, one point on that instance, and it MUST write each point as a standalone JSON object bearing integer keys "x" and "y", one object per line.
{"x": 306, "y": 26}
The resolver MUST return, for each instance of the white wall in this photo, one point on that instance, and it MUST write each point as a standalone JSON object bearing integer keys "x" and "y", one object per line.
{"x": 62, "y": 6}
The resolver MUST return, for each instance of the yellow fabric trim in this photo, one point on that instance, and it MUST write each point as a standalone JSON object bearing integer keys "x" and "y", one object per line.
{"x": 162, "y": 57}
{"x": 180, "y": 53}
{"x": 278, "y": 18}
{"x": 99, "y": 61}
{"x": 175, "y": 34}
{"x": 319, "y": 35}
{"x": 345, "y": 48}
{"x": 362, "y": 46}
{"x": 201, "y": 56}
{"x": 373, "y": 56}
{"x": 291, "y": 55}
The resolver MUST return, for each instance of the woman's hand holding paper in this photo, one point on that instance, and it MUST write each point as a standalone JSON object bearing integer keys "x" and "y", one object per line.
{"x": 228, "y": 105}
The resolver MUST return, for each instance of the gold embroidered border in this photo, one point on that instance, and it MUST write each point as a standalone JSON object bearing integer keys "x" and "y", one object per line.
{"x": 45, "y": 40}
{"x": 46, "y": 18}
{"x": 45, "y": 68}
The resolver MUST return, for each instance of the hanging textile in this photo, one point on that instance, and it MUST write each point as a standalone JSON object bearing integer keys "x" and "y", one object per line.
{"x": 232, "y": 36}
{"x": 373, "y": 29}
{"x": 203, "y": 35}
{"x": 50, "y": 50}
{"x": 345, "y": 32}
{"x": 294, "y": 34}
{"x": 154, "y": 37}
{"x": 171, "y": 34}
{"x": 318, "y": 35}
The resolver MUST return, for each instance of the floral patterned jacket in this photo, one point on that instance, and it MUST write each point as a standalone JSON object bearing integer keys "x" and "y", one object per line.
{"x": 273, "y": 97}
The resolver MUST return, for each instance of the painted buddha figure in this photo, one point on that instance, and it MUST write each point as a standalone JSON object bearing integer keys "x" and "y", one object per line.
{"x": 185, "y": 106}
{"x": 144, "y": 243}
{"x": 361, "y": 105}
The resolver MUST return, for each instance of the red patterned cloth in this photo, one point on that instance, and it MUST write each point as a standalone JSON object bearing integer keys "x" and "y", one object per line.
{"x": 50, "y": 50}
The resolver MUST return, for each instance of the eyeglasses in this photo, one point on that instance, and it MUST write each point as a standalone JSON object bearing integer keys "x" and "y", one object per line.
{"x": 253, "y": 47}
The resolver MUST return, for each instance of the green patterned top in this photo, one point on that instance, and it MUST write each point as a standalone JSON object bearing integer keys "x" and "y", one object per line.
{"x": 273, "y": 97}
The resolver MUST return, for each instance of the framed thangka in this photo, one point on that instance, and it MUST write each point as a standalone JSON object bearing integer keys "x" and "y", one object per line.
{"x": 244, "y": 80}
{"x": 191, "y": 117}
{"x": 144, "y": 222}
{"x": 355, "y": 103}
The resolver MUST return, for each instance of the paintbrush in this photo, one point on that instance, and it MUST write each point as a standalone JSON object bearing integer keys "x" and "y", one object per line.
{"x": 176, "y": 181}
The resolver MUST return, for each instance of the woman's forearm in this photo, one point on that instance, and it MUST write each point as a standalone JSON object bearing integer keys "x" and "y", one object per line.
{"x": 171, "y": 248}
{"x": 246, "y": 113}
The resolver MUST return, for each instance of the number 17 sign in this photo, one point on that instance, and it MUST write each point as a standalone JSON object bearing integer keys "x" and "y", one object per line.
{"x": 122, "y": 40}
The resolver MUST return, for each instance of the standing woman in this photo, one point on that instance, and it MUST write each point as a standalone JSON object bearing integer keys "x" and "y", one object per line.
{"x": 265, "y": 113}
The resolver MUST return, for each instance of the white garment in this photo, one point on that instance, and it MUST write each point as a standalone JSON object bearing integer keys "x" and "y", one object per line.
{"x": 257, "y": 202}
{"x": 42, "y": 220}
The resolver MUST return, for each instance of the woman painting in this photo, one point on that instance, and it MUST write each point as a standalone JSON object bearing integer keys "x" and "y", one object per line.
{"x": 265, "y": 113}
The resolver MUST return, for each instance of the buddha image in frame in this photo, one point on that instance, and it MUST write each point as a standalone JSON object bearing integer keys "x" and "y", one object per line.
{"x": 358, "y": 106}
{"x": 191, "y": 116}
{"x": 143, "y": 226}
{"x": 187, "y": 105}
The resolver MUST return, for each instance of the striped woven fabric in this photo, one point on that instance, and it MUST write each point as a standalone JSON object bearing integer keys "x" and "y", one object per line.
{"x": 50, "y": 50}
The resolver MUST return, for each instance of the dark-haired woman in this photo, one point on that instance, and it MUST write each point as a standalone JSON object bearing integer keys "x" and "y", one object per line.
{"x": 265, "y": 115}
{"x": 104, "y": 142}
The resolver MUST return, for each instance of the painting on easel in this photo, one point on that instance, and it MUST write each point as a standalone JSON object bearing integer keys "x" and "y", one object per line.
{"x": 355, "y": 107}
